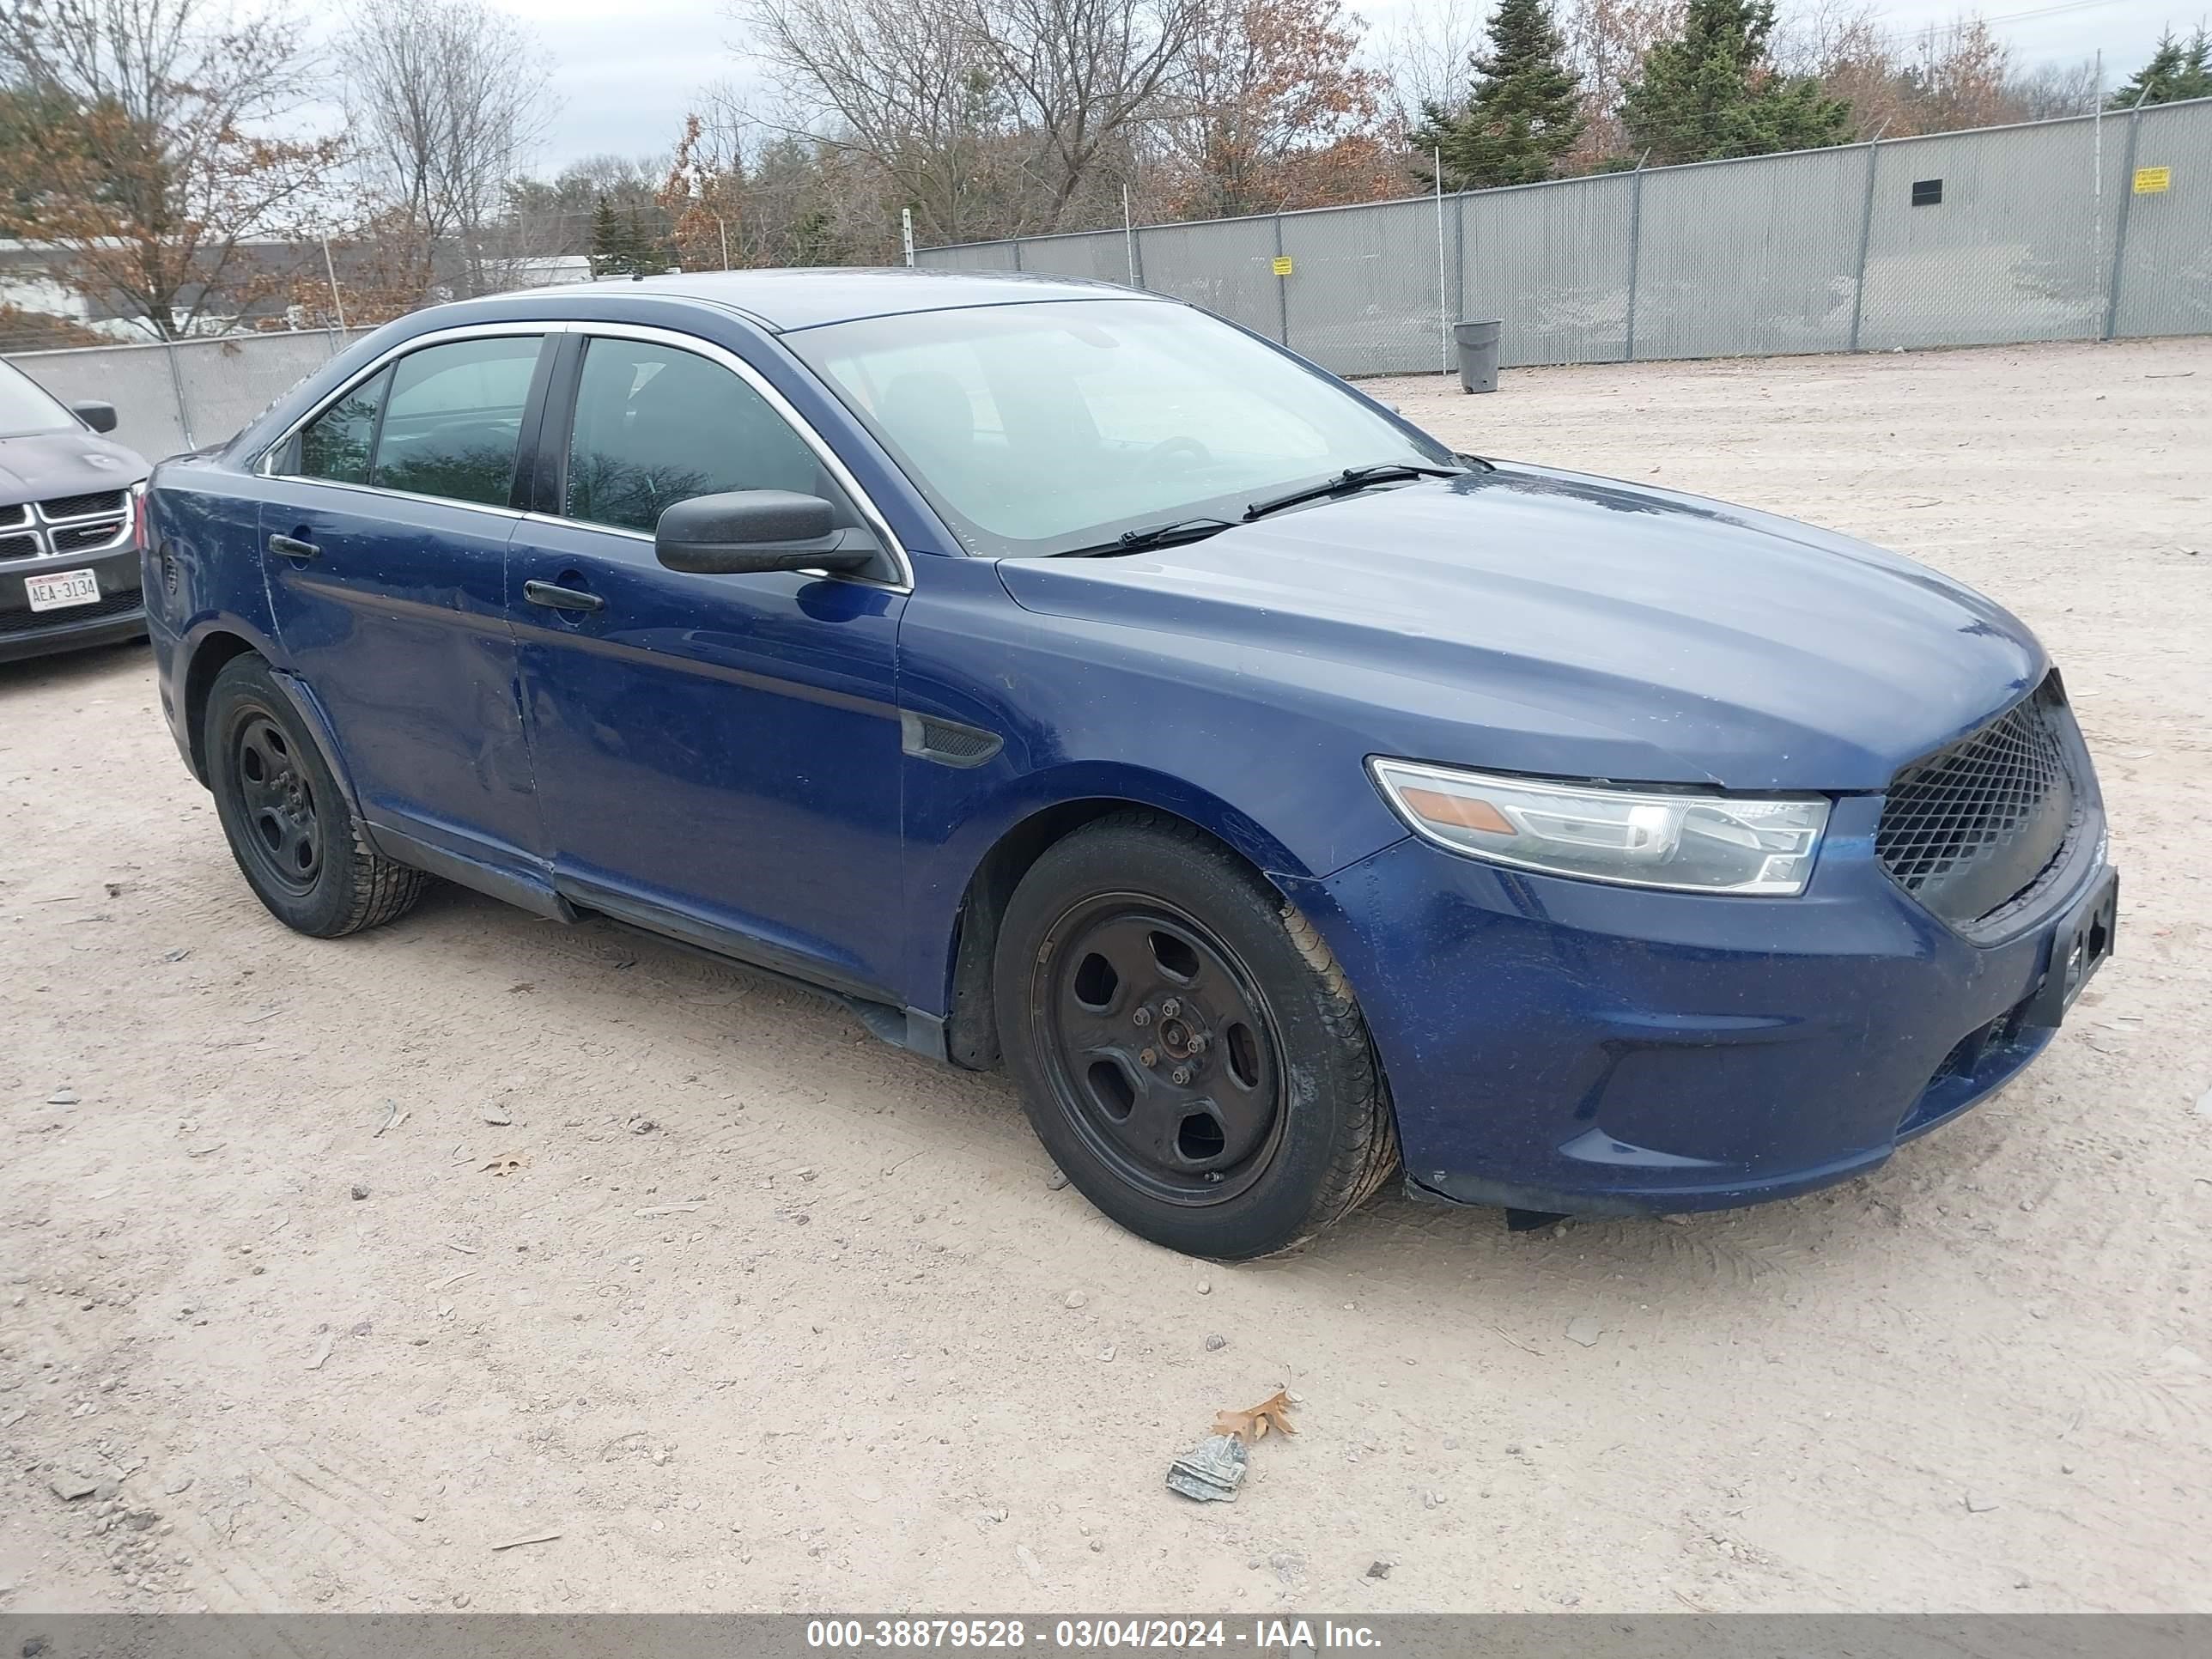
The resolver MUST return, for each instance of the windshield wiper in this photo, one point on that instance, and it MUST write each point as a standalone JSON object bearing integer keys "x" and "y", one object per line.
{"x": 1153, "y": 535}
{"x": 1353, "y": 478}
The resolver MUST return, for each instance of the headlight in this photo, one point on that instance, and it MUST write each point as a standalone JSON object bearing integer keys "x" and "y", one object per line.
{"x": 1698, "y": 843}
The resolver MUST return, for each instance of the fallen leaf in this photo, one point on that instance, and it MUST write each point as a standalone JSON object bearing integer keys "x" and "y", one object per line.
{"x": 1253, "y": 1423}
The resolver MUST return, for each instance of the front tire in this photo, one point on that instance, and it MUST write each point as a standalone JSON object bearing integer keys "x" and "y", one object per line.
{"x": 1185, "y": 1045}
{"x": 295, "y": 837}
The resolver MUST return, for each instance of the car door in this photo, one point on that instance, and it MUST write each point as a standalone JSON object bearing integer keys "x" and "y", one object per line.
{"x": 717, "y": 756}
{"x": 383, "y": 529}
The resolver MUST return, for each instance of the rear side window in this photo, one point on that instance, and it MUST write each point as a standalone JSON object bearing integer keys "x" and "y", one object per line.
{"x": 336, "y": 444}
{"x": 657, "y": 425}
{"x": 454, "y": 420}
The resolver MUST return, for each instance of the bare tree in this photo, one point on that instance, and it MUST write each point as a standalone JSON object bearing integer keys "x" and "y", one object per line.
{"x": 1606, "y": 41}
{"x": 1083, "y": 76}
{"x": 1427, "y": 55}
{"x": 1274, "y": 111}
{"x": 143, "y": 148}
{"x": 2050, "y": 90}
{"x": 1938, "y": 79}
{"x": 897, "y": 83}
{"x": 447, "y": 99}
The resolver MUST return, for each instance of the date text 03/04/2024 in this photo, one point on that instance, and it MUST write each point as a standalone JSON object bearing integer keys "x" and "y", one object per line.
{"x": 1084, "y": 1635}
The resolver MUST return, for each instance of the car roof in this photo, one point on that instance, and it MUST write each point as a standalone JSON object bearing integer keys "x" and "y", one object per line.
{"x": 796, "y": 299}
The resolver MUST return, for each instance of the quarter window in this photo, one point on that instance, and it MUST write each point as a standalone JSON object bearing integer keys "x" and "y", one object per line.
{"x": 336, "y": 444}
{"x": 656, "y": 424}
{"x": 453, "y": 419}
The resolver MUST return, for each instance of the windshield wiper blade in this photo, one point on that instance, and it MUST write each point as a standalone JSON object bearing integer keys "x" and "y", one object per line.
{"x": 1352, "y": 478}
{"x": 1154, "y": 535}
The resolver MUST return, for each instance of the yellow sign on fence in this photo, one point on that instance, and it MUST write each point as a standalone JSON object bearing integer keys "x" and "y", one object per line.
{"x": 2151, "y": 181}
{"x": 1283, "y": 260}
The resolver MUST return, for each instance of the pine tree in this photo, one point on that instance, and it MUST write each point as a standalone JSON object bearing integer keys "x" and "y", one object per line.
{"x": 1711, "y": 92}
{"x": 620, "y": 244}
{"x": 607, "y": 251}
{"x": 1522, "y": 112}
{"x": 2176, "y": 69}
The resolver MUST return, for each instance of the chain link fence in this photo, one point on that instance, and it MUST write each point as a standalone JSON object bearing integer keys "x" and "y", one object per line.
{"x": 2083, "y": 228}
{"x": 180, "y": 394}
{"x": 2079, "y": 229}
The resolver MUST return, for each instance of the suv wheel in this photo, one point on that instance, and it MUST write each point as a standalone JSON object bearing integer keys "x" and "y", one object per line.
{"x": 1185, "y": 1044}
{"x": 296, "y": 838}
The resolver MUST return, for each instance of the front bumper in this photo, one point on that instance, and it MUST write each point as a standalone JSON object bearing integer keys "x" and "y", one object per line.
{"x": 1577, "y": 1047}
{"x": 118, "y": 613}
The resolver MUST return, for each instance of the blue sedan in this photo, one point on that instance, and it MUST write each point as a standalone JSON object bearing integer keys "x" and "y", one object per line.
{"x": 1069, "y": 680}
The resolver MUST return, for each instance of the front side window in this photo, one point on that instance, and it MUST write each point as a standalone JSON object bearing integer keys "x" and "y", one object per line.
{"x": 453, "y": 419}
{"x": 1042, "y": 428}
{"x": 657, "y": 425}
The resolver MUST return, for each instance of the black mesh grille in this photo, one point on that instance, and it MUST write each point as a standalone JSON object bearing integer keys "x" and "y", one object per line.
{"x": 18, "y": 513}
{"x": 20, "y": 547}
{"x": 30, "y": 622}
{"x": 77, "y": 506}
{"x": 1972, "y": 825}
{"x": 70, "y": 538}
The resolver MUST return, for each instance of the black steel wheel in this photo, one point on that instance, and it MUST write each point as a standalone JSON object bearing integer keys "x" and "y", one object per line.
{"x": 1162, "y": 1041}
{"x": 290, "y": 827}
{"x": 1186, "y": 1047}
{"x": 284, "y": 839}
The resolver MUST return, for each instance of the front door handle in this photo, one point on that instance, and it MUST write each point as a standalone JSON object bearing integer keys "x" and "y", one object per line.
{"x": 554, "y": 596}
{"x": 291, "y": 547}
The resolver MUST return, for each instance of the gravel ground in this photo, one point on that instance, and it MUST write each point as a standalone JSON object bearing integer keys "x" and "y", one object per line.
{"x": 766, "y": 1314}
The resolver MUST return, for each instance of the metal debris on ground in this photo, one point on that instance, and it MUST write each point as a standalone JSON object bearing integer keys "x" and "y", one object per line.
{"x": 1212, "y": 1471}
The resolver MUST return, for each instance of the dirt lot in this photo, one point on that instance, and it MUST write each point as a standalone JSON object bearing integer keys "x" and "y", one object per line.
{"x": 775, "y": 1316}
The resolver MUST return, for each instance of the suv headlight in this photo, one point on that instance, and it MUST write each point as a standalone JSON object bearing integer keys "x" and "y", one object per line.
{"x": 1694, "y": 842}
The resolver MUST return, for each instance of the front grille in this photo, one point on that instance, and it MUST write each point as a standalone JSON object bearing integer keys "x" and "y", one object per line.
{"x": 20, "y": 547}
{"x": 78, "y": 506}
{"x": 108, "y": 605}
{"x": 72, "y": 538}
{"x": 19, "y": 514}
{"x": 1973, "y": 825}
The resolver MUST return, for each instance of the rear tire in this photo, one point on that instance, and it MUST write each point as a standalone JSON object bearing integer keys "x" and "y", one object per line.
{"x": 295, "y": 837}
{"x": 1185, "y": 1045}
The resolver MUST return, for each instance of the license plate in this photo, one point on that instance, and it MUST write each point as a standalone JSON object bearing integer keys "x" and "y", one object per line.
{"x": 66, "y": 587}
{"x": 2078, "y": 949}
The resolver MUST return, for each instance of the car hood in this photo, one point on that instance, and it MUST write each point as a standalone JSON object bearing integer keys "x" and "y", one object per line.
{"x": 41, "y": 465}
{"x": 1546, "y": 622}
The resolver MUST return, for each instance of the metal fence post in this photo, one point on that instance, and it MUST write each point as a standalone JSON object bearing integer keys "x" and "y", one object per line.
{"x": 1635, "y": 252}
{"x": 1866, "y": 233}
{"x": 1016, "y": 244}
{"x": 2120, "y": 220}
{"x": 1459, "y": 253}
{"x": 1282, "y": 293}
{"x": 1137, "y": 258}
{"x": 177, "y": 385}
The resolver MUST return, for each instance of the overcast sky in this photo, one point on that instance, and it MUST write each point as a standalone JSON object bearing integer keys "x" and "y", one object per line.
{"x": 625, "y": 72}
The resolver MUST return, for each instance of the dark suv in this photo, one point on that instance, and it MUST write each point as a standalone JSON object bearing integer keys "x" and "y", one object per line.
{"x": 69, "y": 546}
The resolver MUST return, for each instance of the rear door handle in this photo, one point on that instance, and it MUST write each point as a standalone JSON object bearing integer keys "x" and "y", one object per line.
{"x": 291, "y": 547}
{"x": 554, "y": 596}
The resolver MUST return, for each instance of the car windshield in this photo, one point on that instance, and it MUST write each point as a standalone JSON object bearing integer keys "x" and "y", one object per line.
{"x": 1043, "y": 428}
{"x": 25, "y": 407}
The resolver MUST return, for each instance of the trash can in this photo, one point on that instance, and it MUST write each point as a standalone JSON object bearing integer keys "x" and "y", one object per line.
{"x": 1478, "y": 356}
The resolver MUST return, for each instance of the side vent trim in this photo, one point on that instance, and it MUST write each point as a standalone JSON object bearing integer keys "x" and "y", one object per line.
{"x": 946, "y": 742}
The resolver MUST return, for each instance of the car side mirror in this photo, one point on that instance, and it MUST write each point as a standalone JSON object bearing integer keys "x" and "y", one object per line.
{"x": 100, "y": 417}
{"x": 743, "y": 530}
